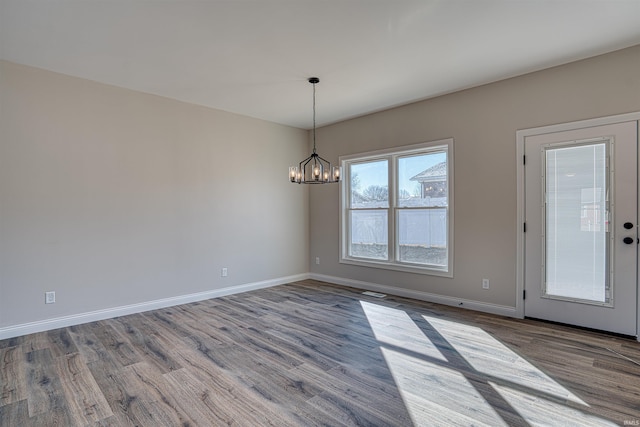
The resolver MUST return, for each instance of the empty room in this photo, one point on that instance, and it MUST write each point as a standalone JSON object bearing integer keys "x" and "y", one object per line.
{"x": 319, "y": 213}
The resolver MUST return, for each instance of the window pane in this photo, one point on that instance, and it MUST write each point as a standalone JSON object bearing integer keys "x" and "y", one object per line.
{"x": 422, "y": 236}
{"x": 422, "y": 180}
{"x": 369, "y": 184}
{"x": 576, "y": 231}
{"x": 397, "y": 206}
{"x": 369, "y": 234}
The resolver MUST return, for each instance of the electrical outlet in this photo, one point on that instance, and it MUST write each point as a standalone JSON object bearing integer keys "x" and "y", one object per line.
{"x": 485, "y": 283}
{"x": 49, "y": 297}
{"x": 317, "y": 260}
{"x": 224, "y": 272}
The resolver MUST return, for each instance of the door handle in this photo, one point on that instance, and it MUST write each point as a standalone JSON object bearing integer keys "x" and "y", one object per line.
{"x": 628, "y": 225}
{"x": 628, "y": 240}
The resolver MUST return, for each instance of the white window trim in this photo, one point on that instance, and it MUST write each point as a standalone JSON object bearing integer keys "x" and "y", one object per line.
{"x": 344, "y": 205}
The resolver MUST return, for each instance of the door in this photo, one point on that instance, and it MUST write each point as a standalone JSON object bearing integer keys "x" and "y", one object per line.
{"x": 581, "y": 237}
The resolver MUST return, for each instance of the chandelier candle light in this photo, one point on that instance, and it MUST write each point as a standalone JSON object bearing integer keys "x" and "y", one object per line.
{"x": 314, "y": 169}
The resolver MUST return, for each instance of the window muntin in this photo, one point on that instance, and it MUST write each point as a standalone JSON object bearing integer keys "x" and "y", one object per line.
{"x": 396, "y": 209}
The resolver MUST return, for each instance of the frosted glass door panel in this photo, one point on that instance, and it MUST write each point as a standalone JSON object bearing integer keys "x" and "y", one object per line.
{"x": 576, "y": 185}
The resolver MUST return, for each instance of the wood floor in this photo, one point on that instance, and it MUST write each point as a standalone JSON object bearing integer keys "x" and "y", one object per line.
{"x": 311, "y": 353}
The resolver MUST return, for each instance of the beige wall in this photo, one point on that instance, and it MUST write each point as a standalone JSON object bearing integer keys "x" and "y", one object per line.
{"x": 112, "y": 197}
{"x": 483, "y": 121}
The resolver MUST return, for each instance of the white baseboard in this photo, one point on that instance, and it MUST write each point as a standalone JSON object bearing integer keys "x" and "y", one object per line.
{"x": 92, "y": 316}
{"x": 484, "y": 307}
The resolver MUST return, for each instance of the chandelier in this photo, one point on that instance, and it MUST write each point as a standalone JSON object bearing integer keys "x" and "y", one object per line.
{"x": 314, "y": 169}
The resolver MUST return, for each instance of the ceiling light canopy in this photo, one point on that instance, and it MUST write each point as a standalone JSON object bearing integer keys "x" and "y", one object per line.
{"x": 314, "y": 169}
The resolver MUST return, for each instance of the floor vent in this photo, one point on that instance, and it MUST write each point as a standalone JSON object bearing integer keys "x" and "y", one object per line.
{"x": 374, "y": 294}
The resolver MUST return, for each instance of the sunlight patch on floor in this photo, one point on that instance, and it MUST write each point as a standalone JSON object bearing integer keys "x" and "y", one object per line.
{"x": 395, "y": 327}
{"x": 489, "y": 356}
{"x": 481, "y": 376}
{"x": 435, "y": 395}
{"x": 538, "y": 411}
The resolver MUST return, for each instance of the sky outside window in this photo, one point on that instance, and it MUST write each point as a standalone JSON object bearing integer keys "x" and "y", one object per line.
{"x": 375, "y": 173}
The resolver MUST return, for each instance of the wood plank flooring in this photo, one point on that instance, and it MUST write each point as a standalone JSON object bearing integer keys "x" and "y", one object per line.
{"x": 310, "y": 353}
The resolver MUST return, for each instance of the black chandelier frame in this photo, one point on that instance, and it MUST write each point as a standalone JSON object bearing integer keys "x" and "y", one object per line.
{"x": 314, "y": 169}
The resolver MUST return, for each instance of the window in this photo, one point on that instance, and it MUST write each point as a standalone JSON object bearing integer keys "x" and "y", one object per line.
{"x": 396, "y": 208}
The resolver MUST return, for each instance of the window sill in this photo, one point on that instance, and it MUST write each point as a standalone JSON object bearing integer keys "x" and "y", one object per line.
{"x": 406, "y": 268}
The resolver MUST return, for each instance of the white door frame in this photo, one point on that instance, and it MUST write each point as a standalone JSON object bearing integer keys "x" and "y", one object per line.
{"x": 520, "y": 138}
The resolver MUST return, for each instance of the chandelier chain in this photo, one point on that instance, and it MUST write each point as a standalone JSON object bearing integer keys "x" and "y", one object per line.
{"x": 314, "y": 117}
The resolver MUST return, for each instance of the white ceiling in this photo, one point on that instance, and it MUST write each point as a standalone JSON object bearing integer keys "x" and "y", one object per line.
{"x": 254, "y": 57}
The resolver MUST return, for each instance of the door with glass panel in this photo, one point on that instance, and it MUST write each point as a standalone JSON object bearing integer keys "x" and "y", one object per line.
{"x": 581, "y": 239}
